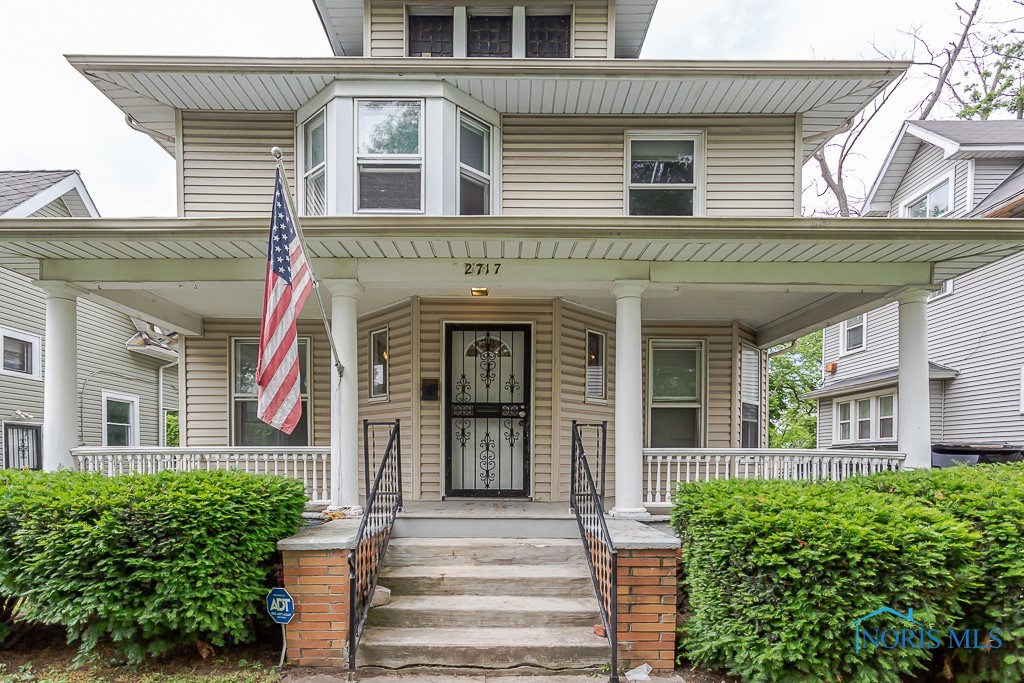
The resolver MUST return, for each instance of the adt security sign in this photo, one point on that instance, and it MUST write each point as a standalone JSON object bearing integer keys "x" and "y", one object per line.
{"x": 280, "y": 605}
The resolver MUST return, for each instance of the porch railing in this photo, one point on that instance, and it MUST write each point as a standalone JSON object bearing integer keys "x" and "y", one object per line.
{"x": 664, "y": 469}
{"x": 587, "y": 502}
{"x": 383, "y": 503}
{"x": 309, "y": 465}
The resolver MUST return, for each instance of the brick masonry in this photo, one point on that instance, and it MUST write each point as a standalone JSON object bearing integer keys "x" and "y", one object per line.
{"x": 647, "y": 608}
{"x": 318, "y": 582}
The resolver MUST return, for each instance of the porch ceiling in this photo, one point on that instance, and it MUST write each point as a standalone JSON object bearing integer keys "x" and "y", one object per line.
{"x": 779, "y": 276}
{"x": 826, "y": 93}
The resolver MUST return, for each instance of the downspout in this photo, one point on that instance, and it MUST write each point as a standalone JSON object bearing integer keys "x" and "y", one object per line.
{"x": 162, "y": 431}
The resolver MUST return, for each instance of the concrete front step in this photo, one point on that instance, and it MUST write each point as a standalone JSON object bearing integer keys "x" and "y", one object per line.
{"x": 405, "y": 552}
{"x": 570, "y": 580}
{"x": 562, "y": 648}
{"x": 472, "y": 611}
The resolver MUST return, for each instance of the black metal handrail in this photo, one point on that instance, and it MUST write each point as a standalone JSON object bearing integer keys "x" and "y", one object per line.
{"x": 383, "y": 503}
{"x": 588, "y": 505}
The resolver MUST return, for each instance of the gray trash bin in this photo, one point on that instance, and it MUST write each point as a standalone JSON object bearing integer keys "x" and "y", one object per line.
{"x": 970, "y": 453}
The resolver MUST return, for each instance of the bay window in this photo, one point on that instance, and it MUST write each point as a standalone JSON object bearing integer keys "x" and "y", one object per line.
{"x": 389, "y": 155}
{"x": 675, "y": 393}
{"x": 865, "y": 418}
{"x": 314, "y": 166}
{"x": 249, "y": 430}
{"x": 662, "y": 174}
{"x": 474, "y": 166}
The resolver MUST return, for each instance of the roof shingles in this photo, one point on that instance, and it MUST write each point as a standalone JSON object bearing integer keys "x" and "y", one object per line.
{"x": 18, "y": 186}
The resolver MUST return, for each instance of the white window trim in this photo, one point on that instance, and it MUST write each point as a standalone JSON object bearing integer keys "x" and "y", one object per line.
{"x": 386, "y": 396}
{"x": 489, "y": 177}
{"x": 232, "y": 396}
{"x": 699, "y": 175}
{"x": 948, "y": 178}
{"x": 36, "y": 341}
{"x": 123, "y": 398}
{"x": 385, "y": 159}
{"x": 875, "y": 417}
{"x": 702, "y": 406}
{"x": 944, "y": 290}
{"x": 603, "y": 398}
{"x": 843, "y": 351}
{"x": 301, "y": 162}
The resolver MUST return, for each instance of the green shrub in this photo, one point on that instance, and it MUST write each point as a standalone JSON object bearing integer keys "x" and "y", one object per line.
{"x": 776, "y": 572}
{"x": 990, "y": 499}
{"x": 152, "y": 561}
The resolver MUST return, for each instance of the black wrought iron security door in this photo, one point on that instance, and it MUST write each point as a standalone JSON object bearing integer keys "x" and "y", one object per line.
{"x": 487, "y": 410}
{"x": 23, "y": 447}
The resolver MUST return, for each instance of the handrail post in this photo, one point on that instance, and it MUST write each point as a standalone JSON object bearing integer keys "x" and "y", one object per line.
{"x": 572, "y": 466}
{"x": 398, "y": 460}
{"x": 604, "y": 459}
{"x": 366, "y": 457}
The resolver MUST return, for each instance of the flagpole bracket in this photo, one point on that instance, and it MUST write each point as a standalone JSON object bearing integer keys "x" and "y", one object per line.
{"x": 341, "y": 370}
{"x": 277, "y": 153}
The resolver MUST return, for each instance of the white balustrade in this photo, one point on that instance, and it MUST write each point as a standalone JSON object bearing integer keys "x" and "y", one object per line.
{"x": 666, "y": 468}
{"x": 309, "y": 465}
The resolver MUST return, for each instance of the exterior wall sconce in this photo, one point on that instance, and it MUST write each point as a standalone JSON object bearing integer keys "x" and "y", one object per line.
{"x": 479, "y": 291}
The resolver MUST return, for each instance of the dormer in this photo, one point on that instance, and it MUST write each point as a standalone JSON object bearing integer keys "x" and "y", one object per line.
{"x": 489, "y": 29}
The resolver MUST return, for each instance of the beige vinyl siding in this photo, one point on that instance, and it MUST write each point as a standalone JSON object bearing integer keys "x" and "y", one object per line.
{"x": 433, "y": 313}
{"x": 989, "y": 173}
{"x": 721, "y": 429}
{"x": 55, "y": 209}
{"x": 398, "y": 321}
{"x": 926, "y": 171}
{"x": 573, "y": 321}
{"x": 207, "y": 395}
{"x": 226, "y": 166}
{"x": 590, "y": 26}
{"x": 568, "y": 165}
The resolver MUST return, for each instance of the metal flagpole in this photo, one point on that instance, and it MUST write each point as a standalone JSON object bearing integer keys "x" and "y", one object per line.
{"x": 279, "y": 155}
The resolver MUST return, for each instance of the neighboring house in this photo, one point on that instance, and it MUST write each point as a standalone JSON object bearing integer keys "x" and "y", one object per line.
{"x": 939, "y": 169}
{"x": 119, "y": 360}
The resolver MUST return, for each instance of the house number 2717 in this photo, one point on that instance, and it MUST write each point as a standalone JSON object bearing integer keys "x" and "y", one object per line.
{"x": 481, "y": 268}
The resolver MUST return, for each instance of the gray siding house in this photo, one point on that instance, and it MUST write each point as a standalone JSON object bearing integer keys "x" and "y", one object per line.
{"x": 939, "y": 169}
{"x": 122, "y": 370}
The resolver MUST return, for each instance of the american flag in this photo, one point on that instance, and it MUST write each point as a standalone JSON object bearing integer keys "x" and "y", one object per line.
{"x": 289, "y": 282}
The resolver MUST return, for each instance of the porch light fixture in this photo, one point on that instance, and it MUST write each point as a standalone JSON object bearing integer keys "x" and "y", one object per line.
{"x": 479, "y": 291}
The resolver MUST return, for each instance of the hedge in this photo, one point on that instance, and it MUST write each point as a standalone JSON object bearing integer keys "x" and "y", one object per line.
{"x": 774, "y": 574}
{"x": 990, "y": 498}
{"x": 150, "y": 561}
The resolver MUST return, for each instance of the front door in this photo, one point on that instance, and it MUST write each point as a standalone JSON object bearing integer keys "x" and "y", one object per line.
{"x": 487, "y": 410}
{"x": 22, "y": 447}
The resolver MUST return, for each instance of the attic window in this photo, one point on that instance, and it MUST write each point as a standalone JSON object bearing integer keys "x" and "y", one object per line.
{"x": 489, "y": 36}
{"x": 431, "y": 36}
{"x": 548, "y": 36}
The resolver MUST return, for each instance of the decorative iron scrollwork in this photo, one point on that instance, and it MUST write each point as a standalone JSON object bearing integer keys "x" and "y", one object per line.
{"x": 487, "y": 458}
{"x": 465, "y": 410}
{"x": 462, "y": 432}
{"x": 512, "y": 385}
{"x": 462, "y": 388}
{"x": 512, "y": 435}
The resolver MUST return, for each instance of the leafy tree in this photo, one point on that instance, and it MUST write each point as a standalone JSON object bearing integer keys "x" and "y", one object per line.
{"x": 172, "y": 429}
{"x": 793, "y": 421}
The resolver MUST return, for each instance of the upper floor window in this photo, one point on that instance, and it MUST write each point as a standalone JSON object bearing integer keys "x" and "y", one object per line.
{"x": 314, "y": 165}
{"x": 247, "y": 429}
{"x": 389, "y": 155}
{"x": 548, "y": 35}
{"x": 431, "y": 36}
{"x": 934, "y": 204}
{"x": 853, "y": 334}
{"x": 488, "y": 35}
{"x": 21, "y": 354}
{"x": 474, "y": 166}
{"x": 662, "y": 174}
{"x": 944, "y": 289}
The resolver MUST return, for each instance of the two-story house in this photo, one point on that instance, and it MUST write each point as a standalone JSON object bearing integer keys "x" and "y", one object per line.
{"x": 939, "y": 169}
{"x": 517, "y": 224}
{"x": 123, "y": 387}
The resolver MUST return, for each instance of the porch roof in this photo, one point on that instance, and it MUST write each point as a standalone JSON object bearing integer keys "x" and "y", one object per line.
{"x": 779, "y": 276}
{"x": 826, "y": 93}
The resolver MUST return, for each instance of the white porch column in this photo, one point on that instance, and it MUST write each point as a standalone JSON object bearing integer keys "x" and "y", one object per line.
{"x": 629, "y": 400}
{"x": 345, "y": 397}
{"x": 60, "y": 376}
{"x": 914, "y": 414}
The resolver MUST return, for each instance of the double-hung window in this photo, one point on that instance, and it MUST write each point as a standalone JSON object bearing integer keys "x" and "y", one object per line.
{"x": 887, "y": 417}
{"x": 474, "y": 166}
{"x": 21, "y": 354}
{"x": 675, "y": 393}
{"x": 314, "y": 166}
{"x": 867, "y": 418}
{"x": 120, "y": 419}
{"x": 750, "y": 395}
{"x": 596, "y": 382}
{"x": 389, "y": 155}
{"x": 249, "y": 430}
{"x": 934, "y": 204}
{"x": 662, "y": 174}
{"x": 853, "y": 334}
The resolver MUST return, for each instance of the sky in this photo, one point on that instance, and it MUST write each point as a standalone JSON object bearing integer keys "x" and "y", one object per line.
{"x": 61, "y": 121}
